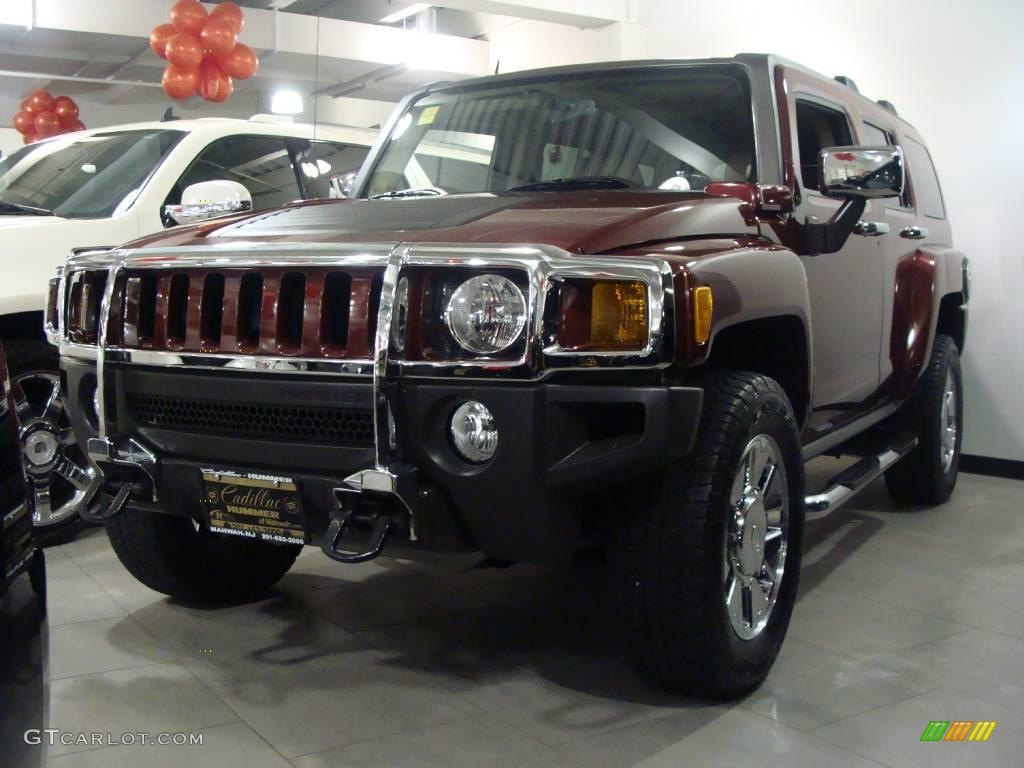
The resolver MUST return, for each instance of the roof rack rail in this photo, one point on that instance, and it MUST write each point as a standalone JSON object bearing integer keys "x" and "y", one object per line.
{"x": 847, "y": 82}
{"x": 887, "y": 105}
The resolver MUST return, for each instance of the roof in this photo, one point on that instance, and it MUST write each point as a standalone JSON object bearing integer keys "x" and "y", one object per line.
{"x": 762, "y": 61}
{"x": 222, "y": 126}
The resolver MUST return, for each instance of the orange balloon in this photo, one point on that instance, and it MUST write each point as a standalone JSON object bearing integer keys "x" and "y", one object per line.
{"x": 214, "y": 84}
{"x": 240, "y": 62}
{"x": 184, "y": 51}
{"x": 218, "y": 36}
{"x": 229, "y": 12}
{"x": 38, "y": 101}
{"x": 46, "y": 124}
{"x": 180, "y": 83}
{"x": 188, "y": 16}
{"x": 24, "y": 123}
{"x": 158, "y": 39}
{"x": 66, "y": 110}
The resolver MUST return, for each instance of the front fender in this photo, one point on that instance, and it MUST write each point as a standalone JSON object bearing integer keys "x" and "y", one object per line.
{"x": 751, "y": 284}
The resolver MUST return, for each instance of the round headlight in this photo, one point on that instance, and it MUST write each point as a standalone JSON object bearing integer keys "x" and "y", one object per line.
{"x": 486, "y": 314}
{"x": 474, "y": 433}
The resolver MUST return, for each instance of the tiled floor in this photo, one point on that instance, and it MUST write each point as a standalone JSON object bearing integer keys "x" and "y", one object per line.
{"x": 904, "y": 617}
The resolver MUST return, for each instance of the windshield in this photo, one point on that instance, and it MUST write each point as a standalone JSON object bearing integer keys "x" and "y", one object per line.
{"x": 673, "y": 128}
{"x": 83, "y": 177}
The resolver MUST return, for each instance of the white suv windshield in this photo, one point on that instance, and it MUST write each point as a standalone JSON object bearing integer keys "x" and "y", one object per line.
{"x": 82, "y": 177}
{"x": 671, "y": 128}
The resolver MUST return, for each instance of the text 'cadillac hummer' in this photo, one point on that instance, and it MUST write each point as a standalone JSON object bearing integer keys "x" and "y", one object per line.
{"x": 619, "y": 304}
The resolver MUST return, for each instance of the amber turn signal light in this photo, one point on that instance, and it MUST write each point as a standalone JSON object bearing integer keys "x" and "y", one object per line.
{"x": 604, "y": 316}
{"x": 703, "y": 309}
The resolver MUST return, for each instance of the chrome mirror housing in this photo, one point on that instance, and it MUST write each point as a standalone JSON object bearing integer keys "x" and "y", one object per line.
{"x": 866, "y": 172}
{"x": 209, "y": 199}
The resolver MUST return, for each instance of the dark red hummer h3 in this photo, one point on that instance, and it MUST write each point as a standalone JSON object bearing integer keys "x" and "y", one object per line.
{"x": 617, "y": 303}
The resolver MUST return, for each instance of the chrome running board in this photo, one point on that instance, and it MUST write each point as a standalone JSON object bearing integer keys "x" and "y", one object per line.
{"x": 847, "y": 483}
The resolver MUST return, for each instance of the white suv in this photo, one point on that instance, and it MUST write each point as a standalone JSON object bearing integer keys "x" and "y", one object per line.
{"x": 103, "y": 187}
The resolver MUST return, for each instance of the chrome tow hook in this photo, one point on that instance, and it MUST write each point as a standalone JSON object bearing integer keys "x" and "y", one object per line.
{"x": 379, "y": 499}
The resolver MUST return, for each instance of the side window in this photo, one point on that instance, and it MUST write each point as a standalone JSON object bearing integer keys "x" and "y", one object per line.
{"x": 262, "y": 164}
{"x": 328, "y": 167}
{"x": 873, "y": 136}
{"x": 924, "y": 180}
{"x": 818, "y": 128}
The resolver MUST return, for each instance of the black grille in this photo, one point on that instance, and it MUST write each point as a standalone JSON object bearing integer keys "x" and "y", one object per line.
{"x": 337, "y": 426}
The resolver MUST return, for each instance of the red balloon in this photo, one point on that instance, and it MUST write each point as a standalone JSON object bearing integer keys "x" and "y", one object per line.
{"x": 158, "y": 39}
{"x": 180, "y": 83}
{"x": 214, "y": 84}
{"x": 218, "y": 36}
{"x": 24, "y": 123}
{"x": 47, "y": 124}
{"x": 184, "y": 51}
{"x": 75, "y": 125}
{"x": 229, "y": 12}
{"x": 38, "y": 101}
{"x": 28, "y": 138}
{"x": 240, "y": 62}
{"x": 66, "y": 110}
{"x": 188, "y": 16}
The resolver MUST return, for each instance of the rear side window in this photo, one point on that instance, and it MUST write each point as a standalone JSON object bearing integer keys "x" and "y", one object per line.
{"x": 328, "y": 167}
{"x": 873, "y": 136}
{"x": 817, "y": 128}
{"x": 926, "y": 183}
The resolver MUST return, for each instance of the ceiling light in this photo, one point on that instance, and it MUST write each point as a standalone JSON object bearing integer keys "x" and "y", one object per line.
{"x": 286, "y": 103}
{"x": 411, "y": 10}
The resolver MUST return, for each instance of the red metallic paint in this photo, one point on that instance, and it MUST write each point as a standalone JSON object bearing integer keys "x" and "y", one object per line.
{"x": 913, "y": 309}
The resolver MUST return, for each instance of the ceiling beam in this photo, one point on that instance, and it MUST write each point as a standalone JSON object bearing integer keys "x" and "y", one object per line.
{"x": 46, "y": 77}
{"x": 576, "y": 13}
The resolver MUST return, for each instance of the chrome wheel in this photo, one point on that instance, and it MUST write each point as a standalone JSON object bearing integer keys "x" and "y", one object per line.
{"x": 60, "y": 478}
{"x": 948, "y": 423}
{"x": 755, "y": 542}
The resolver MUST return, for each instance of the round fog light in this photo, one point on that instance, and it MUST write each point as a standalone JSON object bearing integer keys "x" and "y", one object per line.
{"x": 474, "y": 433}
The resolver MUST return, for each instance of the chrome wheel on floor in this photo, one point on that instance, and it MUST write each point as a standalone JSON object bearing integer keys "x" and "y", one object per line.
{"x": 949, "y": 418}
{"x": 934, "y": 414}
{"x": 60, "y": 477}
{"x": 755, "y": 544}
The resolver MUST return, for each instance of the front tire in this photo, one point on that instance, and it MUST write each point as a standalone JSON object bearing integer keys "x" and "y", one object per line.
{"x": 709, "y": 573}
{"x": 176, "y": 556}
{"x": 934, "y": 413}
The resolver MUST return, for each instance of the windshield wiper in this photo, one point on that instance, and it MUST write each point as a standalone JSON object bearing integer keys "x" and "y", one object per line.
{"x": 577, "y": 182}
{"x": 8, "y": 207}
{"x": 416, "y": 192}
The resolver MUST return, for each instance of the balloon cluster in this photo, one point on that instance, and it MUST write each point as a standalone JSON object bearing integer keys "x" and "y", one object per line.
{"x": 202, "y": 51}
{"x": 43, "y": 116}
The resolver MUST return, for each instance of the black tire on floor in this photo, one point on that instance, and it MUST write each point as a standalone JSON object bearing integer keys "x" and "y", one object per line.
{"x": 922, "y": 477}
{"x": 30, "y": 356}
{"x": 668, "y": 566}
{"x": 173, "y": 555}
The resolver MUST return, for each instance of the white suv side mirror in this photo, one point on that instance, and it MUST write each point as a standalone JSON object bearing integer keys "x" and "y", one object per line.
{"x": 209, "y": 199}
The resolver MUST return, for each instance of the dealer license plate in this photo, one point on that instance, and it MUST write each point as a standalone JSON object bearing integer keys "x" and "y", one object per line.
{"x": 254, "y": 506}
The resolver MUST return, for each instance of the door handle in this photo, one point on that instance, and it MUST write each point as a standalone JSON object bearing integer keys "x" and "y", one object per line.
{"x": 914, "y": 233}
{"x": 870, "y": 228}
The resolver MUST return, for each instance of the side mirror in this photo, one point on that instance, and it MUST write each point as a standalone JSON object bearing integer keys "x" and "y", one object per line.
{"x": 866, "y": 172}
{"x": 209, "y": 199}
{"x": 856, "y": 175}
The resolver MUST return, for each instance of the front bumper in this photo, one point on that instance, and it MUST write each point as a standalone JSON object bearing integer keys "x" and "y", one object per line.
{"x": 560, "y": 446}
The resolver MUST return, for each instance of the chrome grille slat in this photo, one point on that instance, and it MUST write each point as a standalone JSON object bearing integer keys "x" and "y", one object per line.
{"x": 317, "y": 312}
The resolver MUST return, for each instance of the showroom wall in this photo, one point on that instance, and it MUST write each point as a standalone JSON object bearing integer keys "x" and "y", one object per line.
{"x": 955, "y": 71}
